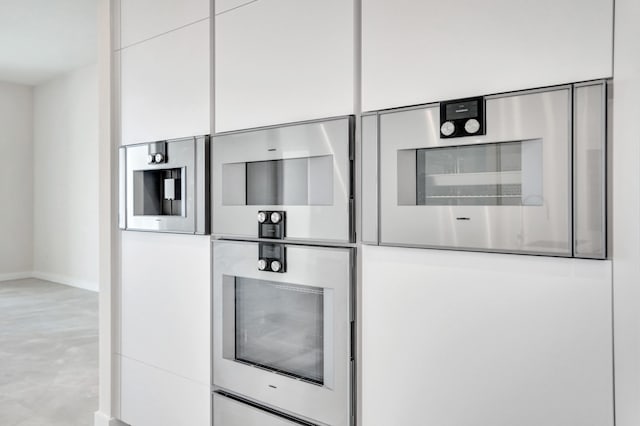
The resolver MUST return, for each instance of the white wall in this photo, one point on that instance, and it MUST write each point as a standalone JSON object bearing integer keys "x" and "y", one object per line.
{"x": 16, "y": 181}
{"x": 65, "y": 222}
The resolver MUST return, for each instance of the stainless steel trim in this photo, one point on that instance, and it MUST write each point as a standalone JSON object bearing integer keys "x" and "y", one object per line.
{"x": 203, "y": 193}
{"x": 122, "y": 190}
{"x": 590, "y": 170}
{"x": 369, "y": 184}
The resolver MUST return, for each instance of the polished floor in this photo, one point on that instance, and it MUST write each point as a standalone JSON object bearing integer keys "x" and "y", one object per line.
{"x": 48, "y": 354}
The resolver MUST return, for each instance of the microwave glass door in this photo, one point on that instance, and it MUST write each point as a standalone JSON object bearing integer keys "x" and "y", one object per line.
{"x": 497, "y": 174}
{"x": 284, "y": 339}
{"x": 280, "y": 327}
{"x": 303, "y": 170}
{"x": 508, "y": 190}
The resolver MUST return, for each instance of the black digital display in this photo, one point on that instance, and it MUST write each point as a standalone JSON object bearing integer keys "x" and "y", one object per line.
{"x": 270, "y": 251}
{"x": 458, "y": 110}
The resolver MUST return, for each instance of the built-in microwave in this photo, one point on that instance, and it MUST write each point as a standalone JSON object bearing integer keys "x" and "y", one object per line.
{"x": 283, "y": 324}
{"x": 290, "y": 182}
{"x": 520, "y": 172}
{"x": 164, "y": 186}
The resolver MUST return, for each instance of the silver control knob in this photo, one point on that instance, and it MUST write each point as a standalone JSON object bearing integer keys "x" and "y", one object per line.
{"x": 447, "y": 128}
{"x": 262, "y": 265}
{"x": 159, "y": 157}
{"x": 472, "y": 125}
{"x": 150, "y": 159}
{"x": 275, "y": 266}
{"x": 276, "y": 217}
{"x": 262, "y": 216}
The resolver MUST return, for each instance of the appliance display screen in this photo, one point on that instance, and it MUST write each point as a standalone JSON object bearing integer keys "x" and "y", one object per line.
{"x": 457, "y": 110}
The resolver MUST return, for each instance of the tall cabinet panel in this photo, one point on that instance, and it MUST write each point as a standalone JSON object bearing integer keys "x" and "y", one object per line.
{"x": 421, "y": 51}
{"x": 164, "y": 345}
{"x": 283, "y": 61}
{"x": 165, "y": 86}
{"x": 460, "y": 338}
{"x": 143, "y": 19}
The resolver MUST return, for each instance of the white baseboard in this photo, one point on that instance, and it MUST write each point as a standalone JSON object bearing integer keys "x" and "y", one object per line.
{"x": 101, "y": 419}
{"x": 62, "y": 279}
{"x": 15, "y": 276}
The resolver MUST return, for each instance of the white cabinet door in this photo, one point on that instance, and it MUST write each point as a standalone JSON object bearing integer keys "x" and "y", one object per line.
{"x": 424, "y": 51}
{"x": 165, "y": 302}
{"x": 153, "y": 397}
{"x": 459, "y": 338}
{"x": 165, "y": 85}
{"x": 280, "y": 61}
{"x": 143, "y": 19}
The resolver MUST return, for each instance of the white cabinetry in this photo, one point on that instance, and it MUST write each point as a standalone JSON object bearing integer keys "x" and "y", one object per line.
{"x": 165, "y": 302}
{"x": 143, "y": 19}
{"x": 153, "y": 397}
{"x": 422, "y": 51}
{"x": 457, "y": 338}
{"x": 283, "y": 60}
{"x": 165, "y": 90}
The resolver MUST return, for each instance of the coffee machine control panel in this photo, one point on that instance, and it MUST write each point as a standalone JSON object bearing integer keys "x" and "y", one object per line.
{"x": 462, "y": 117}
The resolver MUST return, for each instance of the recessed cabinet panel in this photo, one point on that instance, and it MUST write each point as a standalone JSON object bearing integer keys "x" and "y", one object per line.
{"x": 283, "y": 61}
{"x": 421, "y": 51}
{"x": 165, "y": 86}
{"x": 143, "y": 19}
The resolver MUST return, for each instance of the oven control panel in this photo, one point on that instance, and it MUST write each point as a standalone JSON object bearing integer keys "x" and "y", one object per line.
{"x": 271, "y": 224}
{"x": 272, "y": 257}
{"x": 462, "y": 117}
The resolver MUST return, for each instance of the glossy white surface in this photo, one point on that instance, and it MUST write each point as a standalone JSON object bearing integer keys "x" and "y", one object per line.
{"x": 223, "y": 6}
{"x": 143, "y": 19}
{"x": 165, "y": 303}
{"x": 458, "y": 338}
{"x": 626, "y": 212}
{"x": 423, "y": 51}
{"x": 165, "y": 86}
{"x": 153, "y": 397}
{"x": 283, "y": 61}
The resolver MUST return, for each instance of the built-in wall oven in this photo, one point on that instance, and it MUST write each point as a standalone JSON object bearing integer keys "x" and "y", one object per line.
{"x": 521, "y": 172}
{"x": 282, "y": 336}
{"x": 283, "y": 271}
{"x": 301, "y": 172}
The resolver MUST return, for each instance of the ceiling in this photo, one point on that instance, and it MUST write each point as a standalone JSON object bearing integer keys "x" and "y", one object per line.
{"x": 40, "y": 39}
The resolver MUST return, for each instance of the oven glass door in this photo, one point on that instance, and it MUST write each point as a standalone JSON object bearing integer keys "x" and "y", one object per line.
{"x": 302, "y": 169}
{"x": 284, "y": 339}
{"x": 508, "y": 190}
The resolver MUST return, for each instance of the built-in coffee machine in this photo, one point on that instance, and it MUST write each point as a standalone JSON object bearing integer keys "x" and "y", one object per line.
{"x": 164, "y": 186}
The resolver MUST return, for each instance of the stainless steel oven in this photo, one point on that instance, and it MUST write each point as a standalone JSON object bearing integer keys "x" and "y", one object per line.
{"x": 282, "y": 335}
{"x": 520, "y": 172}
{"x": 301, "y": 172}
{"x": 164, "y": 186}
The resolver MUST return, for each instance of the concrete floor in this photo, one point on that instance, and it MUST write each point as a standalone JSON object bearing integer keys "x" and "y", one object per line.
{"x": 48, "y": 354}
